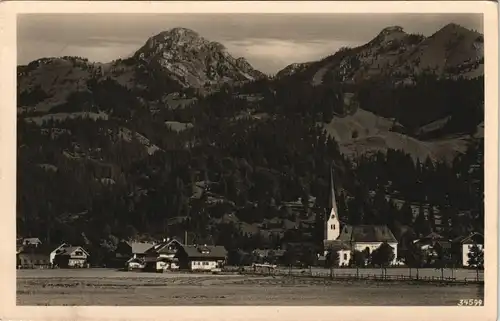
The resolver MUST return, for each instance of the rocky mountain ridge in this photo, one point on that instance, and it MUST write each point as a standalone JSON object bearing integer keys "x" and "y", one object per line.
{"x": 453, "y": 51}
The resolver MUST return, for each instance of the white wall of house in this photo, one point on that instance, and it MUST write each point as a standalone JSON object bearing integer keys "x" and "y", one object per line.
{"x": 203, "y": 265}
{"x": 160, "y": 265}
{"x": 135, "y": 265}
{"x": 361, "y": 246}
{"x": 52, "y": 256}
{"x": 465, "y": 252}
{"x": 344, "y": 257}
{"x": 77, "y": 262}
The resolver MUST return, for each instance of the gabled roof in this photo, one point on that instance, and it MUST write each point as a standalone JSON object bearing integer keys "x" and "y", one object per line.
{"x": 31, "y": 241}
{"x": 71, "y": 249}
{"x": 140, "y": 247}
{"x": 367, "y": 233}
{"x": 34, "y": 251}
{"x": 162, "y": 247}
{"x": 336, "y": 245}
{"x": 205, "y": 251}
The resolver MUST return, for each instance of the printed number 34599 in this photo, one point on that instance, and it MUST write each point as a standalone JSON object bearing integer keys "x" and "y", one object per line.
{"x": 470, "y": 302}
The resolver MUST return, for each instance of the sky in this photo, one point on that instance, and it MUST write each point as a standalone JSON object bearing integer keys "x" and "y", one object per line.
{"x": 269, "y": 42}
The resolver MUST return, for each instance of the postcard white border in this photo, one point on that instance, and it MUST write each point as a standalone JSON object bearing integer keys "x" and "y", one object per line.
{"x": 8, "y": 308}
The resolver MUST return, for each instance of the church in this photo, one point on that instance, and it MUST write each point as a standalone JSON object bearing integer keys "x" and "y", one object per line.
{"x": 345, "y": 238}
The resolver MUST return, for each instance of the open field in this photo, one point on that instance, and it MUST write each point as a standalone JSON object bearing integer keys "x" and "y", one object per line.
{"x": 110, "y": 287}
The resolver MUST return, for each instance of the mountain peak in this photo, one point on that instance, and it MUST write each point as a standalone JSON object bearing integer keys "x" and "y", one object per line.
{"x": 389, "y": 34}
{"x": 456, "y": 29}
{"x": 193, "y": 60}
{"x": 391, "y": 29}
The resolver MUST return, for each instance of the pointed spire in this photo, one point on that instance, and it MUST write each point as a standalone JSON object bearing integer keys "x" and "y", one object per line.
{"x": 333, "y": 201}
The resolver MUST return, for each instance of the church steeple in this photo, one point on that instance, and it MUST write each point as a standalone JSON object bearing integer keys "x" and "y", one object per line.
{"x": 332, "y": 223}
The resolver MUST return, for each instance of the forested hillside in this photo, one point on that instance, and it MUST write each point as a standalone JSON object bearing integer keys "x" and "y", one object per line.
{"x": 246, "y": 165}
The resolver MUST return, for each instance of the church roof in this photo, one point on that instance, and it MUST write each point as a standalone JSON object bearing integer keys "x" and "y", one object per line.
{"x": 336, "y": 245}
{"x": 366, "y": 233}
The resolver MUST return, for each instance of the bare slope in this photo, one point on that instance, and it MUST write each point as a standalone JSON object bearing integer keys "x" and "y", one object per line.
{"x": 365, "y": 133}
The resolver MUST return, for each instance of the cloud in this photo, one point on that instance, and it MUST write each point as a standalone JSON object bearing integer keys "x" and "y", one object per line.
{"x": 268, "y": 41}
{"x": 273, "y": 55}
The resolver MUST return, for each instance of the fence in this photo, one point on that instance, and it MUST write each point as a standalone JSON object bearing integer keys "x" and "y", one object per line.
{"x": 457, "y": 276}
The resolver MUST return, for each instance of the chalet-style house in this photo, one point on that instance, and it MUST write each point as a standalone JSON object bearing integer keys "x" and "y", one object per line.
{"x": 31, "y": 258}
{"x": 202, "y": 257}
{"x": 462, "y": 246}
{"x": 132, "y": 250}
{"x": 348, "y": 238}
{"x": 39, "y": 255}
{"x": 72, "y": 257}
{"x": 161, "y": 256}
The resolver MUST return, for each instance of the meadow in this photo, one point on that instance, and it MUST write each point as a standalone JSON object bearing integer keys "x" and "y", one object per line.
{"x": 116, "y": 288}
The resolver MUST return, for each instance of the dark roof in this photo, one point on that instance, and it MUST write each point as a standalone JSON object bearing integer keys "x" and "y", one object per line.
{"x": 159, "y": 248}
{"x": 33, "y": 252}
{"x": 32, "y": 240}
{"x": 140, "y": 247}
{"x": 34, "y": 256}
{"x": 336, "y": 245}
{"x": 366, "y": 233}
{"x": 70, "y": 249}
{"x": 41, "y": 250}
{"x": 208, "y": 251}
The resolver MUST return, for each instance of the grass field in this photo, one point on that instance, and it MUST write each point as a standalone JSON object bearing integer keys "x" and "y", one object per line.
{"x": 109, "y": 287}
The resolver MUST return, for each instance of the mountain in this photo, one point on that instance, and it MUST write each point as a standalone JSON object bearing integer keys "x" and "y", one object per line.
{"x": 404, "y": 78}
{"x": 399, "y": 57}
{"x": 181, "y": 136}
{"x": 180, "y": 59}
{"x": 168, "y": 62}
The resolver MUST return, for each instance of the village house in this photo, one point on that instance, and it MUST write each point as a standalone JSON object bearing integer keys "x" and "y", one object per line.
{"x": 431, "y": 244}
{"x": 130, "y": 254}
{"x": 32, "y": 258}
{"x": 268, "y": 256}
{"x": 23, "y": 243}
{"x": 462, "y": 245}
{"x": 43, "y": 253}
{"x": 202, "y": 257}
{"x": 348, "y": 238}
{"x": 161, "y": 256}
{"x": 72, "y": 257}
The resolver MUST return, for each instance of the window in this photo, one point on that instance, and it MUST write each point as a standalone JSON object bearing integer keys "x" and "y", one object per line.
{"x": 79, "y": 253}
{"x": 332, "y": 226}
{"x": 345, "y": 256}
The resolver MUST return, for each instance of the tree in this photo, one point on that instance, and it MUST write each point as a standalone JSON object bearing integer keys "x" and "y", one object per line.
{"x": 476, "y": 258}
{"x": 332, "y": 260}
{"x": 358, "y": 259}
{"x": 383, "y": 256}
{"x": 309, "y": 257}
{"x": 290, "y": 257}
{"x": 421, "y": 224}
{"x": 443, "y": 258}
{"x": 413, "y": 256}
